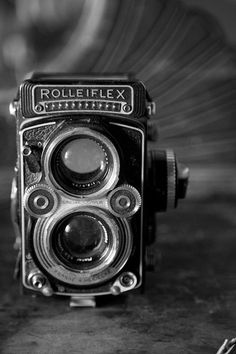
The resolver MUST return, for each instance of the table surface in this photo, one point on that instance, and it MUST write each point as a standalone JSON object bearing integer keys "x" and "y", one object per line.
{"x": 188, "y": 307}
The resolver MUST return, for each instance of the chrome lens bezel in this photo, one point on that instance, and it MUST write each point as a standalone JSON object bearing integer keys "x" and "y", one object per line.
{"x": 54, "y": 141}
{"x": 112, "y": 263}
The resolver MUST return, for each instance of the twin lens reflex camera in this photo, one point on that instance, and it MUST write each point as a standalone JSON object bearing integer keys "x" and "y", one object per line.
{"x": 86, "y": 190}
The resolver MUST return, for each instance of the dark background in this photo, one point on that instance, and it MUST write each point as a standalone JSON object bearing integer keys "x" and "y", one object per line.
{"x": 186, "y": 58}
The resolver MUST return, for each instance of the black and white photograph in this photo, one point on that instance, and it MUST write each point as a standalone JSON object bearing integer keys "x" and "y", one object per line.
{"x": 118, "y": 177}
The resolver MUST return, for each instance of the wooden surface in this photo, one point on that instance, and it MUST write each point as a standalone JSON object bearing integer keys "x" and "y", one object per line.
{"x": 189, "y": 305}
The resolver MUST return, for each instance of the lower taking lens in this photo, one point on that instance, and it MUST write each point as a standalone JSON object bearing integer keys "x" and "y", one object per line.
{"x": 81, "y": 235}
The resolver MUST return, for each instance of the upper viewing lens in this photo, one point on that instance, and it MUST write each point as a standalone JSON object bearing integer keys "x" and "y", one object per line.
{"x": 83, "y": 162}
{"x": 83, "y": 156}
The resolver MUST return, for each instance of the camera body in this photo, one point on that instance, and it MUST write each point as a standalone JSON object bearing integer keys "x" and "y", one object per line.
{"x": 86, "y": 189}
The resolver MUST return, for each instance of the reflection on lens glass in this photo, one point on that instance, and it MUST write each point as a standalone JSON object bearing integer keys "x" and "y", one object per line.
{"x": 83, "y": 163}
{"x": 83, "y": 156}
{"x": 81, "y": 235}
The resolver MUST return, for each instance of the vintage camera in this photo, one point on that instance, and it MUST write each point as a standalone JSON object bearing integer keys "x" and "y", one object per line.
{"x": 86, "y": 190}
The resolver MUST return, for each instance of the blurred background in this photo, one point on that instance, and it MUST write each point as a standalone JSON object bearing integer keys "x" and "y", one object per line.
{"x": 183, "y": 52}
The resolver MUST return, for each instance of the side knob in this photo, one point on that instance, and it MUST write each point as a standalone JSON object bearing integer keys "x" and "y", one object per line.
{"x": 124, "y": 201}
{"x": 167, "y": 180}
{"x": 40, "y": 200}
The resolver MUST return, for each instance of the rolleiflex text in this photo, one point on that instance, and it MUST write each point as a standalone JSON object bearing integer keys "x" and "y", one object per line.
{"x": 119, "y": 94}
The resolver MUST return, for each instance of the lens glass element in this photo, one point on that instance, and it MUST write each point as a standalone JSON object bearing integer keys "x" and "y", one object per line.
{"x": 81, "y": 235}
{"x": 83, "y": 156}
{"x": 82, "y": 240}
{"x": 84, "y": 164}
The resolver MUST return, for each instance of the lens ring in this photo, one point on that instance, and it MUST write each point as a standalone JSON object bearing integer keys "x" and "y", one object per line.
{"x": 76, "y": 182}
{"x": 82, "y": 241}
{"x": 113, "y": 260}
{"x": 94, "y": 183}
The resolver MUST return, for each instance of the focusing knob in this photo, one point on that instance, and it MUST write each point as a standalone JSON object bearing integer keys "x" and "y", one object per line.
{"x": 124, "y": 201}
{"x": 167, "y": 180}
{"x": 162, "y": 180}
{"x": 40, "y": 200}
{"x": 171, "y": 179}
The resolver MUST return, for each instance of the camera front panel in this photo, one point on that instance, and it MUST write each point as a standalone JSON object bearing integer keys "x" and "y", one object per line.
{"x": 81, "y": 179}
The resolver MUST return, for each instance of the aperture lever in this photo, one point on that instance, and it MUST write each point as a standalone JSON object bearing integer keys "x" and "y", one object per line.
{"x": 32, "y": 155}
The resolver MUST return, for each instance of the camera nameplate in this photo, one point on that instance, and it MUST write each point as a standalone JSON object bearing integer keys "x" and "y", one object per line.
{"x": 115, "y": 99}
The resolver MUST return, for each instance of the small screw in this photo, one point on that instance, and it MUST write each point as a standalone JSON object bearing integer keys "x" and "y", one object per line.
{"x": 127, "y": 279}
{"x": 127, "y": 108}
{"x": 115, "y": 290}
{"x": 47, "y": 291}
{"x": 39, "y": 108}
{"x": 123, "y": 202}
{"x": 41, "y": 202}
{"x": 26, "y": 151}
{"x": 38, "y": 281}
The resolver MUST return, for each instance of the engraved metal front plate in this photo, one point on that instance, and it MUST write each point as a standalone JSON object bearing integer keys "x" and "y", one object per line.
{"x": 82, "y": 98}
